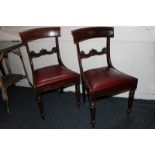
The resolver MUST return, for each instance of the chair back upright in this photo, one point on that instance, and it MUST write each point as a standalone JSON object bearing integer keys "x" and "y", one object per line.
{"x": 41, "y": 33}
{"x": 84, "y": 34}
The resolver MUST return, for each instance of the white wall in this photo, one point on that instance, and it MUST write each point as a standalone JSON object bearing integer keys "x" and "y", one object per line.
{"x": 132, "y": 51}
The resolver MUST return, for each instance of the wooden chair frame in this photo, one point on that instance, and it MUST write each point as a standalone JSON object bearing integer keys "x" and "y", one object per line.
{"x": 84, "y": 34}
{"x": 40, "y": 33}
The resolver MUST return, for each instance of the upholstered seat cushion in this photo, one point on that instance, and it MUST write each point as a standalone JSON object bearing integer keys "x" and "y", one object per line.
{"x": 106, "y": 78}
{"x": 53, "y": 74}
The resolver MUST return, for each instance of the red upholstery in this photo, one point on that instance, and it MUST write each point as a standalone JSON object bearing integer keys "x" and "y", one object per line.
{"x": 53, "y": 74}
{"x": 54, "y": 77}
{"x": 106, "y": 81}
{"x": 107, "y": 78}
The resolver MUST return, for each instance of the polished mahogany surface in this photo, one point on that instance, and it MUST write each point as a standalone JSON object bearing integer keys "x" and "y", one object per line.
{"x": 51, "y": 77}
{"x": 39, "y": 33}
{"x": 104, "y": 81}
{"x": 92, "y": 32}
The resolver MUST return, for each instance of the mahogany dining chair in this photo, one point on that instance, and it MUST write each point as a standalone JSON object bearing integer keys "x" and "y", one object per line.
{"x": 103, "y": 81}
{"x": 51, "y": 77}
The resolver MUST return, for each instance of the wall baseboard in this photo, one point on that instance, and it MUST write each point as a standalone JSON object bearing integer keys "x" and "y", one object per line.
{"x": 144, "y": 96}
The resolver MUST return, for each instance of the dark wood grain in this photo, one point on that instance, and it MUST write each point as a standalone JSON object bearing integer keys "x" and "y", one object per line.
{"x": 43, "y": 52}
{"x": 93, "y": 52}
{"x": 92, "y": 32}
{"x": 104, "y": 81}
{"x": 52, "y": 77}
{"x": 39, "y": 33}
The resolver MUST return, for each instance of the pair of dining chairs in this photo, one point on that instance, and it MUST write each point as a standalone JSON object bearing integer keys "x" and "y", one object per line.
{"x": 98, "y": 82}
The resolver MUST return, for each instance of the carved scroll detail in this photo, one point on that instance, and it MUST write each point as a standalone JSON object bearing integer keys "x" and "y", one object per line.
{"x": 93, "y": 52}
{"x": 43, "y": 52}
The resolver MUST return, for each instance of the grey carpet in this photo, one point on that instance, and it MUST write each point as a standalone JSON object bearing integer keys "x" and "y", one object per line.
{"x": 62, "y": 112}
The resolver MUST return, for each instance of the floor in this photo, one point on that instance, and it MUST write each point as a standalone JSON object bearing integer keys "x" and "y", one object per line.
{"x": 62, "y": 113}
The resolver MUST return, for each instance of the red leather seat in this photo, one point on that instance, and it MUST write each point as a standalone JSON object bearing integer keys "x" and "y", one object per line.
{"x": 105, "y": 78}
{"x": 53, "y": 74}
{"x": 53, "y": 77}
{"x": 105, "y": 81}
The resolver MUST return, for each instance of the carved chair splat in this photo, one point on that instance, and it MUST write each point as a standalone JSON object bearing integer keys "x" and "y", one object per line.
{"x": 104, "y": 81}
{"x": 51, "y": 77}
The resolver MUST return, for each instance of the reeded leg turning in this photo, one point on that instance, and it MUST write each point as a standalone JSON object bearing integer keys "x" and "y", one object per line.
{"x": 77, "y": 90}
{"x": 40, "y": 105}
{"x": 93, "y": 112}
{"x": 130, "y": 101}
